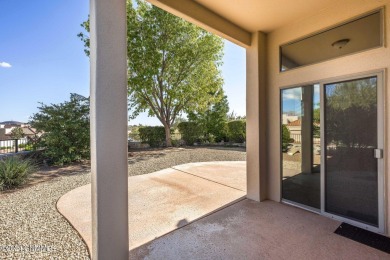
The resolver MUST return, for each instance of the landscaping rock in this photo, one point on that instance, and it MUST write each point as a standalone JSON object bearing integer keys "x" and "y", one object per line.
{"x": 32, "y": 228}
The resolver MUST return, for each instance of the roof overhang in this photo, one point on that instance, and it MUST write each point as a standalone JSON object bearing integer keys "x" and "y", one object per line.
{"x": 236, "y": 20}
{"x": 207, "y": 19}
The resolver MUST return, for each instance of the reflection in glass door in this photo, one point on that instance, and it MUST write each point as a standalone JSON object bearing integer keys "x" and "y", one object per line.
{"x": 351, "y": 137}
{"x": 300, "y": 128}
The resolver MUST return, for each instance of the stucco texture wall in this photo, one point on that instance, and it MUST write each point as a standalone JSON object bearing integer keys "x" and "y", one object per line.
{"x": 367, "y": 61}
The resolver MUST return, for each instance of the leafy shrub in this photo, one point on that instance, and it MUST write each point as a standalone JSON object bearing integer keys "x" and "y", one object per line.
{"x": 222, "y": 134}
{"x": 15, "y": 171}
{"x": 26, "y": 146}
{"x": 286, "y": 140}
{"x": 65, "y": 129}
{"x": 36, "y": 156}
{"x": 237, "y": 131}
{"x": 190, "y": 132}
{"x": 213, "y": 121}
{"x": 152, "y": 135}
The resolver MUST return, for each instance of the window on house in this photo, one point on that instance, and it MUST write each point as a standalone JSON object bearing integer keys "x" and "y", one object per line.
{"x": 360, "y": 34}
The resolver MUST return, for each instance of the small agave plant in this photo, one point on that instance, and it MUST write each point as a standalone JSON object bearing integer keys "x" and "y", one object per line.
{"x": 15, "y": 171}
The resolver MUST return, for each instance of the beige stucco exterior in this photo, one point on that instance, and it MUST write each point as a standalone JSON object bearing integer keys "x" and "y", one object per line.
{"x": 260, "y": 27}
{"x": 372, "y": 60}
{"x": 264, "y": 71}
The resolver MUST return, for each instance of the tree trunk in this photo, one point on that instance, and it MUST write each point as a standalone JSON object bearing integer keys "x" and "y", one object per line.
{"x": 168, "y": 135}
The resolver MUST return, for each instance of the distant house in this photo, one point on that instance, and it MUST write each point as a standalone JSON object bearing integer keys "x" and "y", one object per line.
{"x": 286, "y": 119}
{"x": 6, "y": 128}
{"x": 295, "y": 127}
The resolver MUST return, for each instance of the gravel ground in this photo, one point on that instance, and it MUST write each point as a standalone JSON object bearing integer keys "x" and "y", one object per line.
{"x": 32, "y": 228}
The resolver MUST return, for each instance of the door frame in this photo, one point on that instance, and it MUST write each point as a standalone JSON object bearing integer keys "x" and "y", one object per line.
{"x": 381, "y": 118}
{"x": 382, "y": 200}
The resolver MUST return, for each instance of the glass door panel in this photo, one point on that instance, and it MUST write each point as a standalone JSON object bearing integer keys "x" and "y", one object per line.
{"x": 350, "y": 131}
{"x": 300, "y": 128}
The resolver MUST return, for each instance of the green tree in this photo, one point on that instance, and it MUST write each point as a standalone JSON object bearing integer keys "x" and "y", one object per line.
{"x": 17, "y": 133}
{"x": 65, "y": 129}
{"x": 316, "y": 122}
{"x": 237, "y": 131}
{"x": 286, "y": 139}
{"x": 173, "y": 65}
{"x": 213, "y": 121}
{"x": 346, "y": 101}
{"x": 190, "y": 132}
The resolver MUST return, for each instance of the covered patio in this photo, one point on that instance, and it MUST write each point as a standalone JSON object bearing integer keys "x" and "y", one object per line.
{"x": 262, "y": 28}
{"x": 199, "y": 211}
{"x": 251, "y": 230}
{"x": 163, "y": 201}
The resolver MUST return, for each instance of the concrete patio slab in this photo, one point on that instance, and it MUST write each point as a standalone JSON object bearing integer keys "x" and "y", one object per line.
{"x": 159, "y": 202}
{"x": 232, "y": 174}
{"x": 252, "y": 230}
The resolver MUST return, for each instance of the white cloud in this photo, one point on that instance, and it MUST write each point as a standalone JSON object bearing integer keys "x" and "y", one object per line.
{"x": 5, "y": 65}
{"x": 292, "y": 94}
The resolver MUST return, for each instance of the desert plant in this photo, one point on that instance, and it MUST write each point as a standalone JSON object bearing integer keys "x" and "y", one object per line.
{"x": 15, "y": 171}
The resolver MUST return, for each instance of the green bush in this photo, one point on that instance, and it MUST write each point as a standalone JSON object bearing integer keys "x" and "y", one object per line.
{"x": 15, "y": 171}
{"x": 237, "y": 131}
{"x": 152, "y": 135}
{"x": 286, "y": 140}
{"x": 65, "y": 129}
{"x": 222, "y": 134}
{"x": 191, "y": 132}
{"x": 26, "y": 146}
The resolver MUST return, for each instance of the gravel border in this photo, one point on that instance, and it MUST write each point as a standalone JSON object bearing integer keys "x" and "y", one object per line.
{"x": 32, "y": 228}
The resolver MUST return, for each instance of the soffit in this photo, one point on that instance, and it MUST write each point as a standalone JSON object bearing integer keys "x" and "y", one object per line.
{"x": 264, "y": 15}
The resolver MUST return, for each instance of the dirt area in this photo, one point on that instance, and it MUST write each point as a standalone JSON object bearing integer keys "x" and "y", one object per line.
{"x": 140, "y": 155}
{"x": 47, "y": 173}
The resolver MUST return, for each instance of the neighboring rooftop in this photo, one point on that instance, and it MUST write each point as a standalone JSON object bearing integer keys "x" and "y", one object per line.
{"x": 295, "y": 123}
{"x": 12, "y": 123}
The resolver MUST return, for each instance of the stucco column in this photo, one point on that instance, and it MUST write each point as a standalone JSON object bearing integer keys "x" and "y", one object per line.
{"x": 256, "y": 124}
{"x": 109, "y": 129}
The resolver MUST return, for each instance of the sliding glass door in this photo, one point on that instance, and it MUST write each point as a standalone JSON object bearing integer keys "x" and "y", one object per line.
{"x": 331, "y": 149}
{"x": 351, "y": 139}
{"x": 301, "y": 146}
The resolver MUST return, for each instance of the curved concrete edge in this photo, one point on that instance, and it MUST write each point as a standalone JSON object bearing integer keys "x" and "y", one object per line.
{"x": 164, "y": 201}
{"x": 89, "y": 247}
{"x": 76, "y": 225}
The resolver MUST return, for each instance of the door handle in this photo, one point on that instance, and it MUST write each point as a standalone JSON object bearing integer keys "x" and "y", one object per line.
{"x": 378, "y": 153}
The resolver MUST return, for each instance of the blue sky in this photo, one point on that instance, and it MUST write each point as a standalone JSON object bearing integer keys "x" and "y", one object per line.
{"x": 292, "y": 99}
{"x": 39, "y": 41}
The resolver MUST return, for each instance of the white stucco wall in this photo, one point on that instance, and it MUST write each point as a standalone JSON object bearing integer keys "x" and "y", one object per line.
{"x": 375, "y": 59}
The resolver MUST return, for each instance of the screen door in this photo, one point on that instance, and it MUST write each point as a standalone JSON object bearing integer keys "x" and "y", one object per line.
{"x": 351, "y": 149}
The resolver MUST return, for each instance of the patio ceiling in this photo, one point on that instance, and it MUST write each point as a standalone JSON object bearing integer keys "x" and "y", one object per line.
{"x": 265, "y": 15}
{"x": 238, "y": 19}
